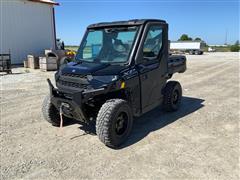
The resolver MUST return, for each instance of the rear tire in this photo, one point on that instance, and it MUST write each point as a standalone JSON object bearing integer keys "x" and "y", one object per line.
{"x": 172, "y": 96}
{"x": 50, "y": 112}
{"x": 114, "y": 122}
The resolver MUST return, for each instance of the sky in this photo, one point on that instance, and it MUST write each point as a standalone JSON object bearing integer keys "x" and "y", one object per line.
{"x": 210, "y": 20}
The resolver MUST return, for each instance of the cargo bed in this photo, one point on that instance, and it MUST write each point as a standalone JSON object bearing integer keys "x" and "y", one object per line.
{"x": 176, "y": 63}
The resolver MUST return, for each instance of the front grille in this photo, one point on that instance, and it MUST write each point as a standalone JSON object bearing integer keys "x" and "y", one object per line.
{"x": 72, "y": 84}
{"x": 74, "y": 75}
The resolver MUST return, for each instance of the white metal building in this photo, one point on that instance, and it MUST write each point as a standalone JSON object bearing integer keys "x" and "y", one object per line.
{"x": 26, "y": 27}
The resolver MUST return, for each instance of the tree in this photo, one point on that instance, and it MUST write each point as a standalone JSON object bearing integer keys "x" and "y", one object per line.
{"x": 198, "y": 39}
{"x": 185, "y": 37}
{"x": 235, "y": 47}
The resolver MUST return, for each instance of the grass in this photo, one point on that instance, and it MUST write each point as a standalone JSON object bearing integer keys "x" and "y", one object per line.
{"x": 73, "y": 48}
{"x": 219, "y": 48}
{"x": 222, "y": 48}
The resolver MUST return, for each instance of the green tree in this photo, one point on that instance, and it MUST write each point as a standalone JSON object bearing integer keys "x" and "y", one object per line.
{"x": 235, "y": 47}
{"x": 198, "y": 39}
{"x": 185, "y": 37}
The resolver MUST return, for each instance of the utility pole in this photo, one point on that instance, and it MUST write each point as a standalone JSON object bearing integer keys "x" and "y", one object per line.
{"x": 226, "y": 37}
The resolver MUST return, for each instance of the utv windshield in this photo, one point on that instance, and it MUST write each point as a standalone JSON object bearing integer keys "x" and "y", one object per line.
{"x": 107, "y": 45}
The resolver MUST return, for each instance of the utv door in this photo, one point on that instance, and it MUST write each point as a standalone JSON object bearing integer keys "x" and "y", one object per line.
{"x": 152, "y": 59}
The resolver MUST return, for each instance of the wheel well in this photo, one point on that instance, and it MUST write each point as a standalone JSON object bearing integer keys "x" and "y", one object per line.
{"x": 120, "y": 94}
{"x": 93, "y": 105}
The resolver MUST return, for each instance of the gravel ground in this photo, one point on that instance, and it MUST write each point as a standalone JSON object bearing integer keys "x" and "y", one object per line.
{"x": 200, "y": 141}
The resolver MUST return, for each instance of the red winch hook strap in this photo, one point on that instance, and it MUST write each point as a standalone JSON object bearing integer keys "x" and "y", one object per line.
{"x": 61, "y": 116}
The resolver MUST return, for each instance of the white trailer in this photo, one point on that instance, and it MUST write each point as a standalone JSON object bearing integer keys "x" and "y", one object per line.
{"x": 192, "y": 47}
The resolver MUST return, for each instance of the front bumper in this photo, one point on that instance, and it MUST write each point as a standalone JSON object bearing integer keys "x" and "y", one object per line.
{"x": 73, "y": 104}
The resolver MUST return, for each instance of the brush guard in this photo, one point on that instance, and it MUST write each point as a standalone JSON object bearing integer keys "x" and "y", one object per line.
{"x": 72, "y": 105}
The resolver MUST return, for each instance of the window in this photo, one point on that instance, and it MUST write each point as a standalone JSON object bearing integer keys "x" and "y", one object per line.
{"x": 153, "y": 42}
{"x": 107, "y": 45}
{"x": 93, "y": 44}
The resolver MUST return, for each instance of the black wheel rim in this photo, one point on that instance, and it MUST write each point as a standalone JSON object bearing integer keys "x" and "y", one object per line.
{"x": 121, "y": 124}
{"x": 175, "y": 97}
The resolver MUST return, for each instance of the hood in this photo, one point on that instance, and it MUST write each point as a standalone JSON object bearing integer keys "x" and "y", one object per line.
{"x": 85, "y": 68}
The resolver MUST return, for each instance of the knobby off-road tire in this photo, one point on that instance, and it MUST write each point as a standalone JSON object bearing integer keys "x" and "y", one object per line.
{"x": 50, "y": 112}
{"x": 114, "y": 122}
{"x": 172, "y": 96}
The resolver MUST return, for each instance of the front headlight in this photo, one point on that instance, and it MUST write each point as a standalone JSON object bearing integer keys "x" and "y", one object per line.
{"x": 104, "y": 79}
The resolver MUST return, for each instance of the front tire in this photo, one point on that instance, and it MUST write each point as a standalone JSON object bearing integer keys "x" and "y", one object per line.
{"x": 50, "y": 112}
{"x": 172, "y": 96}
{"x": 114, "y": 122}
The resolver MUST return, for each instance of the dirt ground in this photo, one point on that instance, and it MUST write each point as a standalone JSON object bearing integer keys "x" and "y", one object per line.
{"x": 200, "y": 141}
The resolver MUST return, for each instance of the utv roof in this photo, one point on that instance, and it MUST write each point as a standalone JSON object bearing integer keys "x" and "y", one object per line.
{"x": 125, "y": 23}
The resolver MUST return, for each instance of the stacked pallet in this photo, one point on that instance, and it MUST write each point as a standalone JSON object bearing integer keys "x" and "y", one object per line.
{"x": 32, "y": 62}
{"x": 48, "y": 63}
